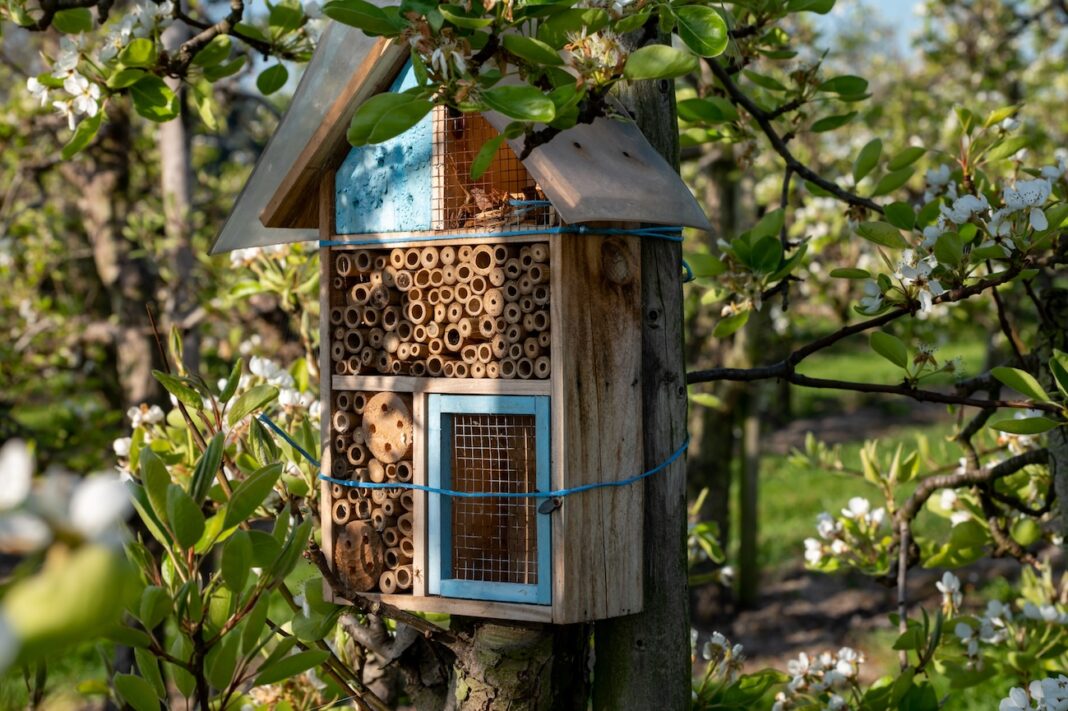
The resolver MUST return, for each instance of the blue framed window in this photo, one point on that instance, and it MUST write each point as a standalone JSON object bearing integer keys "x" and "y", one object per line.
{"x": 489, "y": 548}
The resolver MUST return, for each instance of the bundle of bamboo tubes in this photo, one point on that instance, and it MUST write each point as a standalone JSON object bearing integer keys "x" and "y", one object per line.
{"x": 469, "y": 311}
{"x": 371, "y": 437}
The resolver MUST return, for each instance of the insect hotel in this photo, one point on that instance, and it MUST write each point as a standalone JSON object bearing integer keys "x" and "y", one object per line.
{"x": 479, "y": 349}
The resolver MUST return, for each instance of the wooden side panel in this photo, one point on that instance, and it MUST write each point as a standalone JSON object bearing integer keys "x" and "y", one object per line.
{"x": 596, "y": 321}
{"x": 419, "y": 476}
{"x": 326, "y": 227}
{"x": 458, "y": 606}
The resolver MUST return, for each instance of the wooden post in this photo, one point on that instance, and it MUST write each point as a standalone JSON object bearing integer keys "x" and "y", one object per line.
{"x": 643, "y": 661}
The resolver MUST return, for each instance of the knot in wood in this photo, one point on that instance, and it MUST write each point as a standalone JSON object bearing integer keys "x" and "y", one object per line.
{"x": 616, "y": 263}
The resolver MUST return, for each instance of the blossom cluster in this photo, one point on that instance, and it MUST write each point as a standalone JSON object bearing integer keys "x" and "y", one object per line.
{"x": 853, "y": 536}
{"x": 1040, "y": 695}
{"x": 826, "y": 676}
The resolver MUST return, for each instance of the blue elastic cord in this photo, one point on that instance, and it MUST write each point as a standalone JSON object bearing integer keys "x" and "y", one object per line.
{"x": 673, "y": 234}
{"x": 689, "y": 272}
{"x": 559, "y": 493}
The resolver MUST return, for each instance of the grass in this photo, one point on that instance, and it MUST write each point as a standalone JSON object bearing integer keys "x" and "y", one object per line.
{"x": 65, "y": 672}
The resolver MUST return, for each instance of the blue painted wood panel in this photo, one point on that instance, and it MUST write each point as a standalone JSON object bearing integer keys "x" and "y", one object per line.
{"x": 386, "y": 187}
{"x": 439, "y": 517}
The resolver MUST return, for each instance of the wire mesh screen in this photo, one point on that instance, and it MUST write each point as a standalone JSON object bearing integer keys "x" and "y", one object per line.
{"x": 504, "y": 196}
{"x": 494, "y": 540}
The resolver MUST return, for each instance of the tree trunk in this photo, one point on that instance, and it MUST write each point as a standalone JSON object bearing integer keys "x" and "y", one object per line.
{"x": 643, "y": 660}
{"x": 1053, "y": 333}
{"x": 176, "y": 183}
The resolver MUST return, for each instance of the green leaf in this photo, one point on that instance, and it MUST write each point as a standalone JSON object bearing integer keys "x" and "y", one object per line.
{"x": 764, "y": 81}
{"x": 557, "y": 27}
{"x": 290, "y": 666}
{"x": 221, "y": 71}
{"x": 73, "y": 21}
{"x": 713, "y": 109}
{"x": 153, "y": 99}
{"x": 140, "y": 52}
{"x": 272, "y": 79}
{"x": 207, "y": 466}
{"x": 221, "y": 661}
{"x": 148, "y": 665}
{"x": 125, "y": 77}
{"x": 845, "y": 85}
{"x": 829, "y": 123}
{"x": 707, "y": 400}
{"x": 1058, "y": 366}
{"x": 232, "y": 382}
{"x": 254, "y": 624}
{"x": 766, "y": 255}
{"x": 459, "y": 17}
{"x": 386, "y": 115}
{"x": 250, "y": 401}
{"x": 250, "y": 493}
{"x": 1020, "y": 381}
{"x": 155, "y": 478}
{"x": 137, "y": 692}
{"x": 1007, "y": 148}
{"x": 1025, "y": 426}
{"x": 730, "y": 324}
{"x": 882, "y": 234}
{"x": 901, "y": 215}
{"x": 702, "y": 29}
{"x": 705, "y": 265}
{"x": 485, "y": 156}
{"x": 998, "y": 115}
{"x": 850, "y": 273}
{"x": 357, "y": 13}
{"x": 890, "y": 347}
{"x": 820, "y": 7}
{"x": 187, "y": 521}
{"x": 155, "y": 606}
{"x": 906, "y": 158}
{"x": 531, "y": 50}
{"x": 867, "y": 159}
{"x": 659, "y": 61}
{"x": 213, "y": 52}
{"x": 236, "y": 560}
{"x": 1026, "y": 532}
{"x": 177, "y": 387}
{"x": 892, "y": 181}
{"x": 83, "y": 135}
{"x": 523, "y": 103}
{"x": 949, "y": 249}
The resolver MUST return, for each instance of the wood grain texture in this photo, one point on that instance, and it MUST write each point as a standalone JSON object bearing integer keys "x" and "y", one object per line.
{"x": 419, "y": 561}
{"x": 596, "y": 323}
{"x": 457, "y": 606}
{"x": 466, "y": 386}
{"x": 326, "y": 400}
{"x": 293, "y": 203}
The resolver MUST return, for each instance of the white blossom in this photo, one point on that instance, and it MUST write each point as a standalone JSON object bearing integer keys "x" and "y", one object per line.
{"x": 1016, "y": 701}
{"x": 16, "y": 473}
{"x": 85, "y": 93}
{"x": 1027, "y": 194}
{"x": 949, "y": 586}
{"x": 813, "y": 551}
{"x": 873, "y": 297}
{"x": 857, "y": 508}
{"x": 99, "y": 504}
{"x": 964, "y": 208}
{"x": 37, "y": 90}
{"x": 121, "y": 446}
{"x": 827, "y": 525}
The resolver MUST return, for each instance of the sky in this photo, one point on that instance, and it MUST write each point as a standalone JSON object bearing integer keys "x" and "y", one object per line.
{"x": 898, "y": 13}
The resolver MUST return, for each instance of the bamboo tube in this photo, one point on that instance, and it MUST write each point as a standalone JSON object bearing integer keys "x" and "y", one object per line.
{"x": 341, "y": 513}
{"x": 463, "y": 253}
{"x": 403, "y": 351}
{"x": 436, "y": 346}
{"x": 485, "y": 352}
{"x": 540, "y": 295}
{"x": 353, "y": 341}
{"x": 419, "y": 333}
{"x": 545, "y": 338}
{"x": 392, "y": 558}
{"x": 376, "y": 471}
{"x": 376, "y": 279}
{"x": 542, "y": 367}
{"x": 432, "y": 329}
{"x": 356, "y": 454}
{"x": 482, "y": 260}
{"x": 381, "y": 262}
{"x": 337, "y": 351}
{"x": 510, "y": 291}
{"x": 407, "y": 500}
{"x": 499, "y": 346}
{"x": 339, "y": 466}
{"x": 341, "y": 443}
{"x": 391, "y": 343}
{"x": 396, "y": 258}
{"x": 447, "y": 256}
{"x": 352, "y": 317}
{"x": 417, "y": 350}
{"x": 363, "y": 509}
{"x": 493, "y": 302}
{"x": 474, "y": 307}
{"x": 453, "y": 312}
{"x": 479, "y": 284}
{"x": 382, "y": 362}
{"x": 403, "y": 280}
{"x": 434, "y": 363}
{"x": 515, "y": 351}
{"x": 391, "y": 471}
{"x": 418, "y": 368}
{"x": 337, "y": 315}
{"x": 397, "y": 367}
{"x": 382, "y": 296}
{"x": 453, "y": 338}
{"x": 353, "y": 365}
{"x": 343, "y": 401}
{"x": 463, "y": 273}
{"x": 525, "y": 257}
{"x": 538, "y": 274}
{"x": 389, "y": 508}
{"x": 477, "y": 369}
{"x": 416, "y": 312}
{"x": 371, "y": 316}
{"x": 539, "y": 252}
{"x": 422, "y": 278}
{"x": 462, "y": 370}
{"x": 512, "y": 269}
{"x": 389, "y": 277}
{"x": 493, "y": 370}
{"x": 359, "y": 294}
{"x": 428, "y": 257}
{"x": 378, "y": 496}
{"x": 359, "y": 402}
{"x": 468, "y": 327}
{"x": 496, "y": 276}
{"x": 441, "y": 312}
{"x": 341, "y": 421}
{"x": 514, "y": 333}
{"x": 339, "y": 283}
{"x": 367, "y": 356}
{"x": 528, "y": 323}
{"x": 447, "y": 294}
{"x": 508, "y": 368}
{"x": 375, "y": 337}
{"x": 412, "y": 259}
{"x": 524, "y": 368}
{"x": 448, "y": 275}
{"x": 526, "y": 286}
{"x": 500, "y": 254}
{"x": 416, "y": 294}
{"x": 354, "y": 495}
{"x": 343, "y": 265}
{"x": 461, "y": 293}
{"x": 363, "y": 260}
{"x": 527, "y": 305}
{"x": 404, "y": 330}
{"x": 337, "y": 491}
{"x": 357, "y": 435}
{"x": 448, "y": 369}
{"x": 391, "y": 316}
{"x": 437, "y": 277}
{"x": 541, "y": 321}
{"x": 486, "y": 327}
{"x": 402, "y": 576}
{"x": 387, "y": 582}
{"x": 380, "y": 520}
{"x": 404, "y": 471}
{"x": 469, "y": 354}
{"x": 339, "y": 333}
